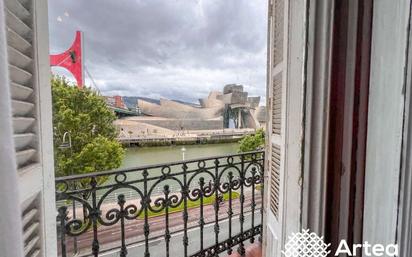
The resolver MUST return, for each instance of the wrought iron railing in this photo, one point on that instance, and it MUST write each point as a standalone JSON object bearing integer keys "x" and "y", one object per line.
{"x": 200, "y": 207}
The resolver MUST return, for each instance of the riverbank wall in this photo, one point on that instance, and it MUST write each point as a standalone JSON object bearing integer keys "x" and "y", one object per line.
{"x": 182, "y": 140}
{"x": 142, "y": 142}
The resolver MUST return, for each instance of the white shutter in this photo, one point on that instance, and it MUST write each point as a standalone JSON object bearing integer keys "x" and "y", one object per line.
{"x": 19, "y": 21}
{"x": 276, "y": 95}
{"x": 29, "y": 76}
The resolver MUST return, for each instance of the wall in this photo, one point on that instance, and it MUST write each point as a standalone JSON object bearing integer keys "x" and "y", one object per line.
{"x": 186, "y": 124}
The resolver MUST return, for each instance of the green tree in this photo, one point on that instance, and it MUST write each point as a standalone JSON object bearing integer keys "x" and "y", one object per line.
{"x": 252, "y": 142}
{"x": 84, "y": 114}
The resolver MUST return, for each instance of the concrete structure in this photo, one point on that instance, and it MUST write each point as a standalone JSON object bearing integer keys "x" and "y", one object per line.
{"x": 215, "y": 112}
{"x": 142, "y": 129}
{"x": 176, "y": 124}
{"x": 174, "y": 110}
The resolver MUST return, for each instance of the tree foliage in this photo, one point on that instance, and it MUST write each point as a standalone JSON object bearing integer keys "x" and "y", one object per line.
{"x": 83, "y": 114}
{"x": 252, "y": 142}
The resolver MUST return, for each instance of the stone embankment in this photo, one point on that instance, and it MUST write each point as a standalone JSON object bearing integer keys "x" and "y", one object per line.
{"x": 187, "y": 137}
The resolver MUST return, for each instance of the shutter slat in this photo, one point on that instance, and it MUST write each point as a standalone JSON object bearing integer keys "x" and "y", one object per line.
{"x": 25, "y": 157}
{"x": 19, "y": 43}
{"x": 21, "y": 141}
{"x": 275, "y": 180}
{"x": 19, "y": 22}
{"x": 31, "y": 245}
{"x": 26, "y": 4}
{"x": 18, "y": 26}
{"x": 22, "y": 108}
{"x": 35, "y": 253}
{"x": 277, "y": 104}
{"x": 23, "y": 124}
{"x": 19, "y": 75}
{"x": 30, "y": 230}
{"x": 19, "y": 92}
{"x": 19, "y": 10}
{"x": 19, "y": 59}
{"x": 29, "y": 216}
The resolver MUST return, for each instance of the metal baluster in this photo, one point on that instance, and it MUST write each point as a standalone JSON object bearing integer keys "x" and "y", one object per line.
{"x": 201, "y": 220}
{"x": 230, "y": 213}
{"x": 217, "y": 202}
{"x": 262, "y": 190}
{"x": 253, "y": 205}
{"x": 166, "y": 191}
{"x": 121, "y": 201}
{"x": 94, "y": 215}
{"x": 185, "y": 193}
{"x": 241, "y": 248}
{"x": 62, "y": 217}
{"x": 76, "y": 250}
{"x": 145, "y": 203}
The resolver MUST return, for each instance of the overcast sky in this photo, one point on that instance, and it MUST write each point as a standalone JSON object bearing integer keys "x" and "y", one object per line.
{"x": 176, "y": 49}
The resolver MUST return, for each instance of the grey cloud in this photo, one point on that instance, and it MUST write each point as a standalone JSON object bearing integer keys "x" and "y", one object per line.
{"x": 168, "y": 48}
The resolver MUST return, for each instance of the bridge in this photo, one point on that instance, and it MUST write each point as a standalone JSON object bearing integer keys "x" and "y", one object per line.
{"x": 120, "y": 112}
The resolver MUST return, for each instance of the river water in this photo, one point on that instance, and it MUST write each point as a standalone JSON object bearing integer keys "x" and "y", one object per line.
{"x": 139, "y": 156}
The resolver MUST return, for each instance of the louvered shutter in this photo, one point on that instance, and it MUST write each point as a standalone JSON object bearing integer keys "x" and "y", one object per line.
{"x": 31, "y": 229}
{"x": 276, "y": 100}
{"x": 29, "y": 77}
{"x": 19, "y": 20}
{"x": 275, "y": 180}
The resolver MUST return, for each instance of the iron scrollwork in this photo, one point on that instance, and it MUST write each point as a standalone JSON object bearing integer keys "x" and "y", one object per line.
{"x": 222, "y": 190}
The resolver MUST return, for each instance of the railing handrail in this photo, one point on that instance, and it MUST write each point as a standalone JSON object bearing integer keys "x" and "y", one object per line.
{"x": 217, "y": 189}
{"x": 152, "y": 166}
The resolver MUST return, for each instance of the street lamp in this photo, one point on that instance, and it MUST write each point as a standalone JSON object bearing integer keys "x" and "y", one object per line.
{"x": 66, "y": 144}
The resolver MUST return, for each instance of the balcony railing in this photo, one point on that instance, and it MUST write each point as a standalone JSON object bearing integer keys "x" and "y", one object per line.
{"x": 200, "y": 207}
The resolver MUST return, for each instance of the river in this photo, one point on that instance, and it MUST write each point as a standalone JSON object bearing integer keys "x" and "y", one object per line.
{"x": 139, "y": 156}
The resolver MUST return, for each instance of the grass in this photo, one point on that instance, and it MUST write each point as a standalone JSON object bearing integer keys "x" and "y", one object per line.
{"x": 190, "y": 205}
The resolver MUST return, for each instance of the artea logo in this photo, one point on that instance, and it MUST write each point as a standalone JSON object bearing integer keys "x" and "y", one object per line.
{"x": 367, "y": 249}
{"x": 306, "y": 244}
{"x": 309, "y": 244}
